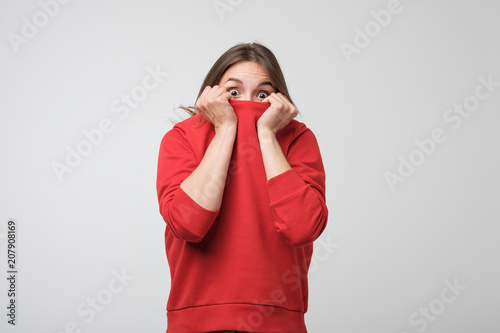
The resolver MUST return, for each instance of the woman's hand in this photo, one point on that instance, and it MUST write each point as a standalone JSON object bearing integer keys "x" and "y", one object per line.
{"x": 278, "y": 115}
{"x": 213, "y": 104}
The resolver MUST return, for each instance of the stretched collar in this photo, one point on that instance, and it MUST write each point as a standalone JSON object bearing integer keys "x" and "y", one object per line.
{"x": 248, "y": 111}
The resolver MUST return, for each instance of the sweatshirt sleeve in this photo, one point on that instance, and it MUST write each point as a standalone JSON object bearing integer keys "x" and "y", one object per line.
{"x": 297, "y": 196}
{"x": 185, "y": 218}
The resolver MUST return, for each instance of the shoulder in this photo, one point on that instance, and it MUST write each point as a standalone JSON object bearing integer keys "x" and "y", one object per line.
{"x": 187, "y": 127}
{"x": 188, "y": 134}
{"x": 189, "y": 124}
{"x": 295, "y": 129}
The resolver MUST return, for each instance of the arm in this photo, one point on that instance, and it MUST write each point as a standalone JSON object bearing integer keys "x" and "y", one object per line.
{"x": 296, "y": 182}
{"x": 279, "y": 114}
{"x": 206, "y": 184}
{"x": 185, "y": 218}
{"x": 275, "y": 161}
{"x": 189, "y": 193}
{"x": 297, "y": 196}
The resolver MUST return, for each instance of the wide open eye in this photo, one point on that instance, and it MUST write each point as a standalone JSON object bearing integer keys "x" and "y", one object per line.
{"x": 234, "y": 92}
{"x": 263, "y": 95}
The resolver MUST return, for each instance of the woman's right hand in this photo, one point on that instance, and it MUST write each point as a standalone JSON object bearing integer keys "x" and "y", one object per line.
{"x": 213, "y": 104}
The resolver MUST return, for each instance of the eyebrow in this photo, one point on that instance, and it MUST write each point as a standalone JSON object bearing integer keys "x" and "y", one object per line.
{"x": 264, "y": 83}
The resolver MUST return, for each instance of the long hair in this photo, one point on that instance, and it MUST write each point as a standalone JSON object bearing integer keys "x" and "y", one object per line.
{"x": 244, "y": 52}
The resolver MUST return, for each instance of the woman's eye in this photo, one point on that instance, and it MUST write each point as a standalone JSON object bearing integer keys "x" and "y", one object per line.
{"x": 234, "y": 92}
{"x": 262, "y": 94}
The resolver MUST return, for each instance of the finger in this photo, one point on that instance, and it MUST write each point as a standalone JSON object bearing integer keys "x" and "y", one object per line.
{"x": 226, "y": 96}
{"x": 204, "y": 93}
{"x": 219, "y": 93}
{"x": 286, "y": 100}
{"x": 271, "y": 98}
{"x": 207, "y": 88}
{"x": 289, "y": 106}
{"x": 280, "y": 97}
{"x": 278, "y": 102}
{"x": 213, "y": 91}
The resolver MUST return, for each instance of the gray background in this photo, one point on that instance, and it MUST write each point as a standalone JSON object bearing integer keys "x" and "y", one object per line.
{"x": 390, "y": 251}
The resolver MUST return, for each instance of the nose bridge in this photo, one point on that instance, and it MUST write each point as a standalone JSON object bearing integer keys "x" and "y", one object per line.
{"x": 247, "y": 96}
{"x": 249, "y": 87}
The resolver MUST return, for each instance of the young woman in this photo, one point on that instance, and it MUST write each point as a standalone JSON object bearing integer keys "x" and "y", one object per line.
{"x": 241, "y": 187}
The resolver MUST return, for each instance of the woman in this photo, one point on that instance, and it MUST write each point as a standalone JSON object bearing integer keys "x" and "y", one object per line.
{"x": 241, "y": 187}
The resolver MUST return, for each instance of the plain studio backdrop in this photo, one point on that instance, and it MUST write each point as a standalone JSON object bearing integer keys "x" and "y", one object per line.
{"x": 403, "y": 97}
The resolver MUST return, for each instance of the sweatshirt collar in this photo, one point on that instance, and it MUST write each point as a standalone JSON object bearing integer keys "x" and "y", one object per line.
{"x": 248, "y": 110}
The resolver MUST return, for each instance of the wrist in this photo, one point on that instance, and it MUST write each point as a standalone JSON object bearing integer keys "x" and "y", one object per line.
{"x": 265, "y": 134}
{"x": 226, "y": 127}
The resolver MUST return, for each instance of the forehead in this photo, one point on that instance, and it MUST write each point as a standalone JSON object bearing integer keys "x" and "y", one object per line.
{"x": 246, "y": 70}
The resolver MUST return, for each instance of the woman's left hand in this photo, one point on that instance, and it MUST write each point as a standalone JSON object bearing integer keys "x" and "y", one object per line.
{"x": 278, "y": 115}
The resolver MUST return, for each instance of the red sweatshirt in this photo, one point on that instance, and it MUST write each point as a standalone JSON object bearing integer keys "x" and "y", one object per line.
{"x": 242, "y": 267}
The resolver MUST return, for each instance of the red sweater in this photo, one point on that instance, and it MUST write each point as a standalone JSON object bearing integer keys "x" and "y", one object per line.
{"x": 243, "y": 267}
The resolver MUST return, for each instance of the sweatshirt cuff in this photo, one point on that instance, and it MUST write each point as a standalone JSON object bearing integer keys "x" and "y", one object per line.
{"x": 284, "y": 184}
{"x": 196, "y": 218}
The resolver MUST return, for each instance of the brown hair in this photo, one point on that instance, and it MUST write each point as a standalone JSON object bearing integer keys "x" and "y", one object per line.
{"x": 244, "y": 52}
